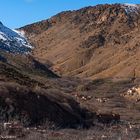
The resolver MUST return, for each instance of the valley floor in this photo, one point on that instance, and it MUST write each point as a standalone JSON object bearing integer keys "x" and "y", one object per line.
{"x": 101, "y": 96}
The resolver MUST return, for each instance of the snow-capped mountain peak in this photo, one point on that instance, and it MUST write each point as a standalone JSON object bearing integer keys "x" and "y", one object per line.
{"x": 13, "y": 41}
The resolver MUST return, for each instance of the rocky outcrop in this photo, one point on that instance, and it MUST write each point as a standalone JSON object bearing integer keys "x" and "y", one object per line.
{"x": 133, "y": 94}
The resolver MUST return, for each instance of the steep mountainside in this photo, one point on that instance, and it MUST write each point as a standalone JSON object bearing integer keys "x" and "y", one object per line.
{"x": 94, "y": 42}
{"x": 13, "y": 41}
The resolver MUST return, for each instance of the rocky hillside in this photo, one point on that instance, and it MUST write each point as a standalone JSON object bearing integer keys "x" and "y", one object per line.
{"x": 94, "y": 42}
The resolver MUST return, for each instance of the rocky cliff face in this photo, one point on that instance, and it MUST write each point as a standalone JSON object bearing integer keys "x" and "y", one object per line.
{"x": 94, "y": 42}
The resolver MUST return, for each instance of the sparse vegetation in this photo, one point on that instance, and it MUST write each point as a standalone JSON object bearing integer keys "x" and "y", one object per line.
{"x": 82, "y": 88}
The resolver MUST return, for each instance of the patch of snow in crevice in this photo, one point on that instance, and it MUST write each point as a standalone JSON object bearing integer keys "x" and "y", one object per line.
{"x": 2, "y": 37}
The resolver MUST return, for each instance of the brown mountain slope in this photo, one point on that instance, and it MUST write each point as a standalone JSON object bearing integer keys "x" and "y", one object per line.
{"x": 95, "y": 42}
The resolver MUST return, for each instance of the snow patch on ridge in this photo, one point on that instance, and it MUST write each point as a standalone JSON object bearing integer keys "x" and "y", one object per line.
{"x": 131, "y": 8}
{"x": 131, "y": 5}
